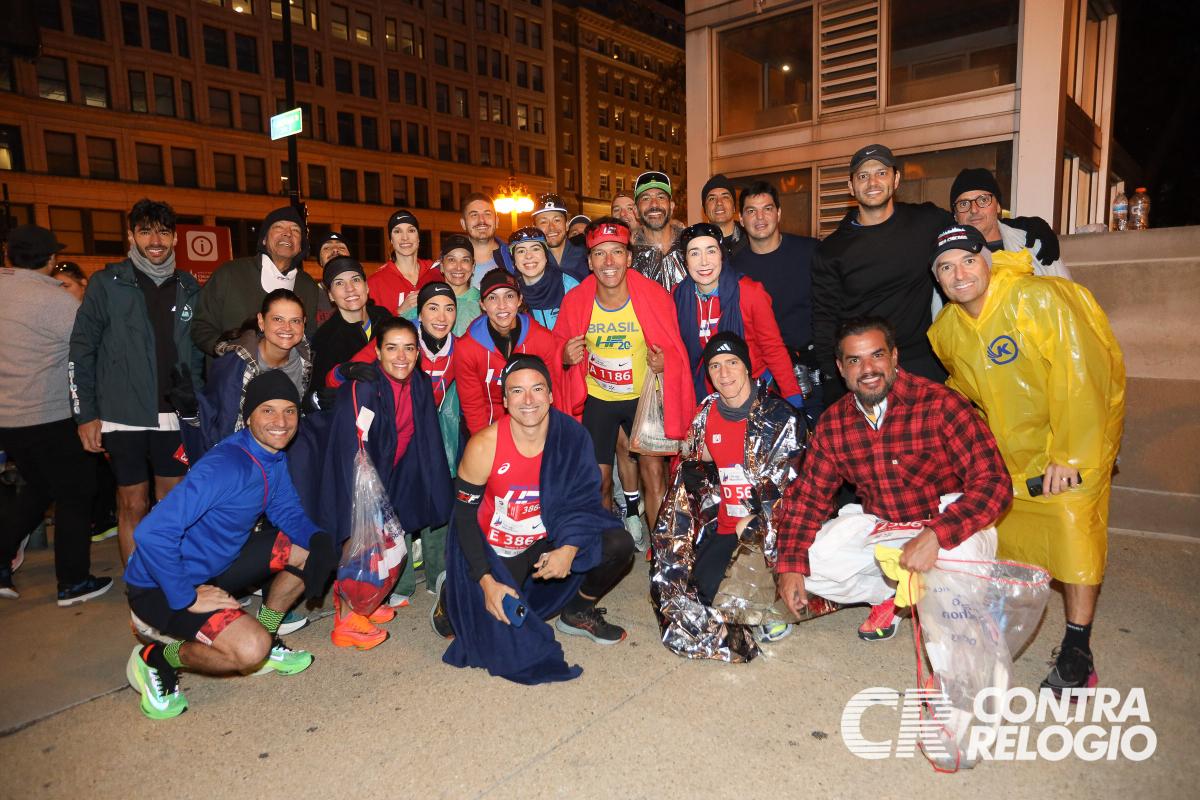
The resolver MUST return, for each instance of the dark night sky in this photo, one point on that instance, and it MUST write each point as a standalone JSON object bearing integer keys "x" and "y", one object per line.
{"x": 1157, "y": 107}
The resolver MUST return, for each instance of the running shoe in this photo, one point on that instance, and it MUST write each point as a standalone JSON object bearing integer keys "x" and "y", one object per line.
{"x": 6, "y": 585}
{"x": 292, "y": 622}
{"x": 83, "y": 591}
{"x": 882, "y": 623}
{"x": 399, "y": 600}
{"x": 637, "y": 530}
{"x": 158, "y": 685}
{"x": 772, "y": 632}
{"x": 1073, "y": 669}
{"x": 104, "y": 535}
{"x": 590, "y": 623}
{"x": 19, "y": 558}
{"x": 384, "y": 613}
{"x": 417, "y": 560}
{"x": 354, "y": 630}
{"x": 438, "y": 617}
{"x": 285, "y": 660}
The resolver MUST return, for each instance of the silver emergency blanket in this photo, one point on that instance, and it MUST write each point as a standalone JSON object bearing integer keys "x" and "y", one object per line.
{"x": 747, "y": 594}
{"x": 668, "y": 268}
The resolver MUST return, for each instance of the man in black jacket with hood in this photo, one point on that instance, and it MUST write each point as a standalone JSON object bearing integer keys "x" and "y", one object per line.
{"x": 235, "y": 291}
{"x": 877, "y": 264}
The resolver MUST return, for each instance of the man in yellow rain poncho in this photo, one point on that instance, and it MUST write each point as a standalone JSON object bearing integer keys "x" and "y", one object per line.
{"x": 1036, "y": 354}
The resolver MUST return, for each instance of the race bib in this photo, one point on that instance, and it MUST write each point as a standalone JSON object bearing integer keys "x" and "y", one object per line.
{"x": 612, "y": 374}
{"x": 735, "y": 490}
{"x": 516, "y": 523}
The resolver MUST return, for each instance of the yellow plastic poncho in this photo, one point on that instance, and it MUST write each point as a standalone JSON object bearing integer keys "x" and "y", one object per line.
{"x": 1043, "y": 364}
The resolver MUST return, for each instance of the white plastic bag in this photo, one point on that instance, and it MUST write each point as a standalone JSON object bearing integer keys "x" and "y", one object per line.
{"x": 649, "y": 433}
{"x": 375, "y": 552}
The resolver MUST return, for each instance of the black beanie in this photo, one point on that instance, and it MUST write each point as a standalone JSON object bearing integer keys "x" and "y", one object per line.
{"x": 726, "y": 342}
{"x": 285, "y": 214}
{"x": 525, "y": 361}
{"x": 433, "y": 289}
{"x": 978, "y": 179}
{"x": 401, "y": 215}
{"x": 717, "y": 181}
{"x": 336, "y": 266}
{"x": 274, "y": 384}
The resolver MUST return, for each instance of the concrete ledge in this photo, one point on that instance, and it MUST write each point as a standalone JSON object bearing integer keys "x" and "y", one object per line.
{"x": 1124, "y": 246}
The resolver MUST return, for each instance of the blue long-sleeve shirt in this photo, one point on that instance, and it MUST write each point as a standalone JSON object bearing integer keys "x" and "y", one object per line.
{"x": 197, "y": 531}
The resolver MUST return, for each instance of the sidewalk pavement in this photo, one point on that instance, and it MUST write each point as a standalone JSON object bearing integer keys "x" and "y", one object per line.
{"x": 640, "y": 722}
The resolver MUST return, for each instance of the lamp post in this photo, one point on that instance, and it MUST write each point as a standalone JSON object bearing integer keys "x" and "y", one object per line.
{"x": 513, "y": 198}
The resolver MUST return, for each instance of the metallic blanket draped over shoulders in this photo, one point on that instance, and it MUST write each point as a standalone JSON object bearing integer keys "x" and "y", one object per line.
{"x": 747, "y": 593}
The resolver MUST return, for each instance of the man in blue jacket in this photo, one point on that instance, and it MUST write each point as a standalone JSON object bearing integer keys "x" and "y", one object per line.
{"x": 200, "y": 547}
{"x": 132, "y": 363}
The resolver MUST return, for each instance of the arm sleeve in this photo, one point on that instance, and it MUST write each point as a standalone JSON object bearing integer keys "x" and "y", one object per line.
{"x": 91, "y": 322}
{"x": 987, "y": 487}
{"x": 806, "y": 505}
{"x": 466, "y": 528}
{"x": 827, "y": 310}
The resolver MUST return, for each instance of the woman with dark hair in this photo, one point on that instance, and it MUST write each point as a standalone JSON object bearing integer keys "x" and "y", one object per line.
{"x": 395, "y": 284}
{"x": 348, "y": 330}
{"x": 400, "y": 434}
{"x": 543, "y": 283}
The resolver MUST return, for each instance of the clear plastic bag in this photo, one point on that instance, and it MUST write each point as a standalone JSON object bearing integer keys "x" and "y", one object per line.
{"x": 649, "y": 436}
{"x": 974, "y": 618}
{"x": 747, "y": 593}
{"x": 375, "y": 553}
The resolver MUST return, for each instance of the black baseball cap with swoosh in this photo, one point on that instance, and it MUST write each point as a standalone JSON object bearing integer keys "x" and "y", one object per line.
{"x": 873, "y": 152}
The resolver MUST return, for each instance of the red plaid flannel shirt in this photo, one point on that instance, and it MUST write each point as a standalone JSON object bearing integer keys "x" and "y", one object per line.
{"x": 932, "y": 442}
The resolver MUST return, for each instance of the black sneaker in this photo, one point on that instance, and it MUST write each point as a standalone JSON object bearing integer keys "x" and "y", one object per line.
{"x": 438, "y": 617}
{"x": 6, "y": 584}
{"x": 590, "y": 623}
{"x": 1073, "y": 669}
{"x": 83, "y": 591}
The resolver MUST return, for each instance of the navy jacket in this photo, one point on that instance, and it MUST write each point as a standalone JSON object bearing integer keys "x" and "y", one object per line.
{"x": 571, "y": 509}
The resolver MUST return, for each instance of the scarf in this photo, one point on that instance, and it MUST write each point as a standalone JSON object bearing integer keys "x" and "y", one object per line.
{"x": 687, "y": 308}
{"x": 159, "y": 273}
{"x": 547, "y": 293}
{"x": 506, "y": 343}
{"x": 433, "y": 346}
{"x": 735, "y": 413}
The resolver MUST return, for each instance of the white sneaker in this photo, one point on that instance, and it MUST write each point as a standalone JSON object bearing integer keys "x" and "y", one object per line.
{"x": 19, "y": 558}
{"x": 772, "y": 632}
{"x": 637, "y": 529}
{"x": 399, "y": 601}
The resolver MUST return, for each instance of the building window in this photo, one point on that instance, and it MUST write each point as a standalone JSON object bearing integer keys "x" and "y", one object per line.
{"x": 343, "y": 76}
{"x": 482, "y": 99}
{"x": 349, "y": 183}
{"x": 182, "y": 42}
{"x": 393, "y": 83}
{"x": 568, "y": 107}
{"x": 523, "y": 158}
{"x": 619, "y": 154}
{"x": 462, "y": 148}
{"x": 497, "y": 109}
{"x": 216, "y": 47}
{"x": 150, "y": 164}
{"x": 164, "y": 95}
{"x": 446, "y": 196}
{"x": 102, "y": 158}
{"x": 339, "y": 22}
{"x": 539, "y": 120}
{"x": 246, "y": 52}
{"x": 602, "y": 116}
{"x": 460, "y": 56}
{"x": 345, "y": 129}
{"x": 86, "y": 19}
{"x": 138, "y": 101}
{"x": 408, "y": 39}
{"x": 440, "y": 53}
{"x": 536, "y": 78}
{"x": 158, "y": 26}
{"x": 317, "y": 188}
{"x": 371, "y": 188}
{"x": 412, "y": 138}
{"x": 602, "y": 150}
{"x": 535, "y": 35}
{"x": 497, "y": 66}
{"x": 951, "y": 50}
{"x": 441, "y": 98}
{"x": 366, "y": 80}
{"x": 369, "y": 127}
{"x": 93, "y": 85}
{"x": 604, "y": 190}
{"x": 183, "y": 167}
{"x": 131, "y": 23}
{"x": 52, "y": 79}
{"x": 391, "y": 41}
{"x": 522, "y": 117}
{"x": 485, "y": 151}
{"x": 497, "y": 153}
{"x": 220, "y": 107}
{"x": 396, "y": 136}
{"x": 187, "y": 108}
{"x": 49, "y": 15}
{"x": 461, "y": 108}
{"x": 568, "y": 179}
{"x": 255, "y": 170}
{"x": 539, "y": 161}
{"x": 250, "y": 106}
{"x": 362, "y": 28}
{"x": 225, "y": 176}
{"x": 410, "y": 88}
{"x": 766, "y": 73}
{"x": 522, "y": 74}
{"x": 444, "y": 152}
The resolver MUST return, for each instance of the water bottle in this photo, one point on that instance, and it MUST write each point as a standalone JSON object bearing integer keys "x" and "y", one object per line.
{"x": 1139, "y": 210}
{"x": 1120, "y": 212}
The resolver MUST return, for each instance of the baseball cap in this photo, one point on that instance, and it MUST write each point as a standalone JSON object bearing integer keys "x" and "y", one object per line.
{"x": 603, "y": 231}
{"x": 651, "y": 180}
{"x": 873, "y": 152}
{"x": 549, "y": 202}
{"x": 457, "y": 241}
{"x": 498, "y": 278}
{"x": 28, "y": 243}
{"x": 958, "y": 237}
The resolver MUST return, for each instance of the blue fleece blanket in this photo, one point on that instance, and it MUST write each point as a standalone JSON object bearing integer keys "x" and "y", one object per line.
{"x": 571, "y": 509}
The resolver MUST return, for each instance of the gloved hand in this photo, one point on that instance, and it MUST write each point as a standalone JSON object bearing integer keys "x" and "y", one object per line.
{"x": 324, "y": 397}
{"x": 182, "y": 393}
{"x": 320, "y": 564}
{"x": 1038, "y": 230}
{"x": 358, "y": 371}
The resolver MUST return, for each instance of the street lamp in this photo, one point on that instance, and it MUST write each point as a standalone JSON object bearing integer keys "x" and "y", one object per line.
{"x": 513, "y": 198}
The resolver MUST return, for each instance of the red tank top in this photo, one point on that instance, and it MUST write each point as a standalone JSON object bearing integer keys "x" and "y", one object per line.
{"x": 510, "y": 514}
{"x": 726, "y": 443}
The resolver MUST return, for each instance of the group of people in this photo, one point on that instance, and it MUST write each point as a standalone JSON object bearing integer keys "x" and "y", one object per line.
{"x": 501, "y": 393}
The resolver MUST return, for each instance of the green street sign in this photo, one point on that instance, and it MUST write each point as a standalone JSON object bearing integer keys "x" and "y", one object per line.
{"x": 289, "y": 123}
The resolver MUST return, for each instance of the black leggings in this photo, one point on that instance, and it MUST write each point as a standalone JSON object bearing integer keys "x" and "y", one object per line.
{"x": 712, "y": 559}
{"x": 616, "y": 551}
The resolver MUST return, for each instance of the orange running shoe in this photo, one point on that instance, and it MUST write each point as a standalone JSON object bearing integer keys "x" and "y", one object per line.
{"x": 354, "y": 630}
{"x": 384, "y": 613}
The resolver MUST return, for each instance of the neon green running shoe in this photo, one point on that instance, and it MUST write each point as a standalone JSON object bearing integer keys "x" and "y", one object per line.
{"x": 158, "y": 685}
{"x": 285, "y": 660}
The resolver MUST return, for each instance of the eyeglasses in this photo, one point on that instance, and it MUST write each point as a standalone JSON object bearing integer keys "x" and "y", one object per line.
{"x": 981, "y": 202}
